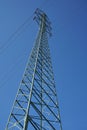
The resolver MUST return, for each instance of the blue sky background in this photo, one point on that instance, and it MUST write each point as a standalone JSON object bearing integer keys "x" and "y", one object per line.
{"x": 68, "y": 50}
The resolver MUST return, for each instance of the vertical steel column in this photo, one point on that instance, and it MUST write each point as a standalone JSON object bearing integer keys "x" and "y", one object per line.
{"x": 36, "y": 105}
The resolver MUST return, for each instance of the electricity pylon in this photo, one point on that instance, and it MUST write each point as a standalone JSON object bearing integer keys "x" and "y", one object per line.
{"x": 36, "y": 104}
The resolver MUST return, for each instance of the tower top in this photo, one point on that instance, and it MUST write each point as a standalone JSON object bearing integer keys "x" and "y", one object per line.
{"x": 39, "y": 16}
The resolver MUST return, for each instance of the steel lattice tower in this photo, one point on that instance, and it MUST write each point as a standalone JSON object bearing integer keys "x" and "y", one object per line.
{"x": 36, "y": 104}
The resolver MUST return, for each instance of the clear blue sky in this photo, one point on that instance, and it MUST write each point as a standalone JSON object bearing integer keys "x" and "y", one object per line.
{"x": 68, "y": 50}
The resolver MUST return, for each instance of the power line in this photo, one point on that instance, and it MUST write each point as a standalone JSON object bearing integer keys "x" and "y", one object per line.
{"x": 19, "y": 30}
{"x": 16, "y": 34}
{"x": 11, "y": 70}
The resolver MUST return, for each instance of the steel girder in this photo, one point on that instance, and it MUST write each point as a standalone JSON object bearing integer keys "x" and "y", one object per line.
{"x": 36, "y": 105}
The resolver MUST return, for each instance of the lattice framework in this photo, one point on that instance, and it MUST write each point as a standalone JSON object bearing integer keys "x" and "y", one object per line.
{"x": 36, "y": 105}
